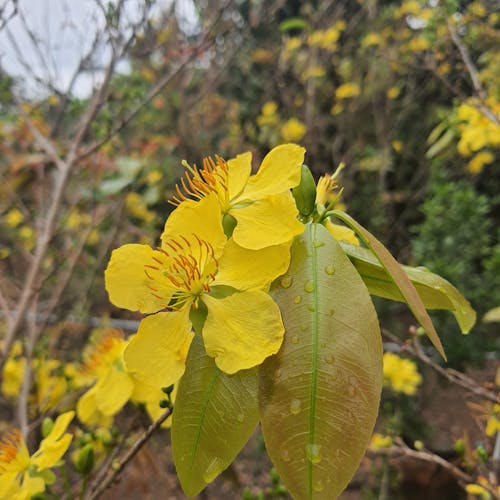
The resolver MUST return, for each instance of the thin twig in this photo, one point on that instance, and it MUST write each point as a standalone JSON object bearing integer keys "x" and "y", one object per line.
{"x": 454, "y": 376}
{"x": 118, "y": 468}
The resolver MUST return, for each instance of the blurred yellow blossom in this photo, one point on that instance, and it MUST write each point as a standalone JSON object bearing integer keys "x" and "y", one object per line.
{"x": 153, "y": 177}
{"x": 347, "y": 90}
{"x": 51, "y": 384}
{"x": 13, "y": 372}
{"x": 268, "y": 114}
{"x": 493, "y": 423}
{"x": 137, "y": 208}
{"x": 22, "y": 475}
{"x": 393, "y": 92}
{"x": 13, "y": 217}
{"x": 379, "y": 441}
{"x": 372, "y": 39}
{"x": 397, "y": 146}
{"x": 325, "y": 39}
{"x": 476, "y": 164}
{"x": 400, "y": 374}
{"x": 315, "y": 71}
{"x": 27, "y": 236}
{"x": 293, "y": 130}
{"x": 337, "y": 109}
{"x": 476, "y": 489}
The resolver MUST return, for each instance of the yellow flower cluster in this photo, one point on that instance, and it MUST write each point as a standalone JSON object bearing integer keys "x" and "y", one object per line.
{"x": 401, "y": 375}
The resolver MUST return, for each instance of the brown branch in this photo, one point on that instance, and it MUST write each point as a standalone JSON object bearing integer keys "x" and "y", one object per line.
{"x": 118, "y": 468}
{"x": 454, "y": 376}
{"x": 402, "y": 450}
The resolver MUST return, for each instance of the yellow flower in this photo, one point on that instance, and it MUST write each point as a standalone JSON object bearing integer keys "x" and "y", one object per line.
{"x": 400, "y": 374}
{"x": 184, "y": 274}
{"x": 327, "y": 196}
{"x": 475, "y": 166}
{"x": 347, "y": 90}
{"x": 103, "y": 364}
{"x": 13, "y": 217}
{"x": 27, "y": 236}
{"x": 372, "y": 39}
{"x": 13, "y": 372}
{"x": 268, "y": 114}
{"x": 137, "y": 208}
{"x": 51, "y": 385}
{"x": 476, "y": 489}
{"x": 261, "y": 204}
{"x": 293, "y": 130}
{"x": 393, "y": 92}
{"x": 379, "y": 441}
{"x": 493, "y": 423}
{"x": 20, "y": 476}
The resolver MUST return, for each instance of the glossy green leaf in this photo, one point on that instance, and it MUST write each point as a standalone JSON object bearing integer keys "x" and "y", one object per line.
{"x": 395, "y": 271}
{"x": 214, "y": 416}
{"x": 435, "y": 292}
{"x": 319, "y": 395}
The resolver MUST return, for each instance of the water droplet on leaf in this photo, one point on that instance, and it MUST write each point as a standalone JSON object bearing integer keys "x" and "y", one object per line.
{"x": 285, "y": 455}
{"x": 318, "y": 243}
{"x": 318, "y": 485}
{"x": 240, "y": 418}
{"x": 309, "y": 286}
{"x": 297, "y": 299}
{"x": 313, "y": 453}
{"x": 295, "y": 407}
{"x": 330, "y": 270}
{"x": 286, "y": 281}
{"x": 329, "y": 359}
{"x": 294, "y": 339}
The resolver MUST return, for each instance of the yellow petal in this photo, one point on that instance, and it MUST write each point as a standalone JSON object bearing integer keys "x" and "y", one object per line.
{"x": 269, "y": 221}
{"x": 157, "y": 354}
{"x": 246, "y": 269}
{"x": 342, "y": 233}
{"x": 113, "y": 391}
{"x": 127, "y": 283}
{"x": 202, "y": 218}
{"x": 86, "y": 407}
{"x": 54, "y": 446}
{"x": 280, "y": 170}
{"x": 242, "y": 330}
{"x": 239, "y": 173}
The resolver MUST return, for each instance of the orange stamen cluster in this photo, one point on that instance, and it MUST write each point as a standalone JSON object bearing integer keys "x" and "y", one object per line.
{"x": 198, "y": 183}
{"x": 106, "y": 341}
{"x": 9, "y": 448}
{"x": 189, "y": 266}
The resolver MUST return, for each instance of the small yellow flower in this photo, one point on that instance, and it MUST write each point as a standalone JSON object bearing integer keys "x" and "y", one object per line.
{"x": 20, "y": 476}
{"x": 372, "y": 39}
{"x": 103, "y": 364}
{"x": 476, "y": 489}
{"x": 347, "y": 91}
{"x": 393, "y": 92}
{"x": 268, "y": 114}
{"x": 400, "y": 374}
{"x": 137, "y": 208}
{"x": 153, "y": 177}
{"x": 380, "y": 441}
{"x": 27, "y": 236}
{"x": 476, "y": 165}
{"x": 293, "y": 130}
{"x": 51, "y": 385}
{"x": 13, "y": 217}
{"x": 493, "y": 423}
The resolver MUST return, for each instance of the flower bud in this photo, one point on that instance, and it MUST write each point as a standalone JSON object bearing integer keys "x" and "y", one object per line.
{"x": 305, "y": 193}
{"x": 84, "y": 460}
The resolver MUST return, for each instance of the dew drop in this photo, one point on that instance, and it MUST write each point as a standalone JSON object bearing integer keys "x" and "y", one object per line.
{"x": 318, "y": 243}
{"x": 303, "y": 328}
{"x": 330, "y": 270}
{"x": 297, "y": 299}
{"x": 294, "y": 339}
{"x": 309, "y": 286}
{"x": 295, "y": 407}
{"x": 311, "y": 308}
{"x": 313, "y": 453}
{"x": 318, "y": 485}
{"x": 286, "y": 281}
{"x": 329, "y": 359}
{"x": 285, "y": 455}
{"x": 240, "y": 418}
{"x": 212, "y": 471}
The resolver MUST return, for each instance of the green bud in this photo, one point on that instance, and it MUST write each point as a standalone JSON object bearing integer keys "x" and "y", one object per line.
{"x": 305, "y": 193}
{"x": 228, "y": 224}
{"x": 47, "y": 426}
{"x": 165, "y": 403}
{"x": 459, "y": 447}
{"x": 85, "y": 460}
{"x": 275, "y": 478}
{"x": 482, "y": 453}
{"x": 168, "y": 390}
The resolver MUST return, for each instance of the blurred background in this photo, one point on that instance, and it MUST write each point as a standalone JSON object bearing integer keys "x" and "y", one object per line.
{"x": 101, "y": 101}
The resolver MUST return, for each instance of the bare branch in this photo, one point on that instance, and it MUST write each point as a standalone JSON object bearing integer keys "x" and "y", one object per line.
{"x": 118, "y": 468}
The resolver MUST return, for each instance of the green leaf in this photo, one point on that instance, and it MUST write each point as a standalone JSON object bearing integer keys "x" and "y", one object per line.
{"x": 435, "y": 292}
{"x": 395, "y": 271}
{"x": 294, "y": 23}
{"x": 319, "y": 395}
{"x": 442, "y": 143}
{"x": 215, "y": 415}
